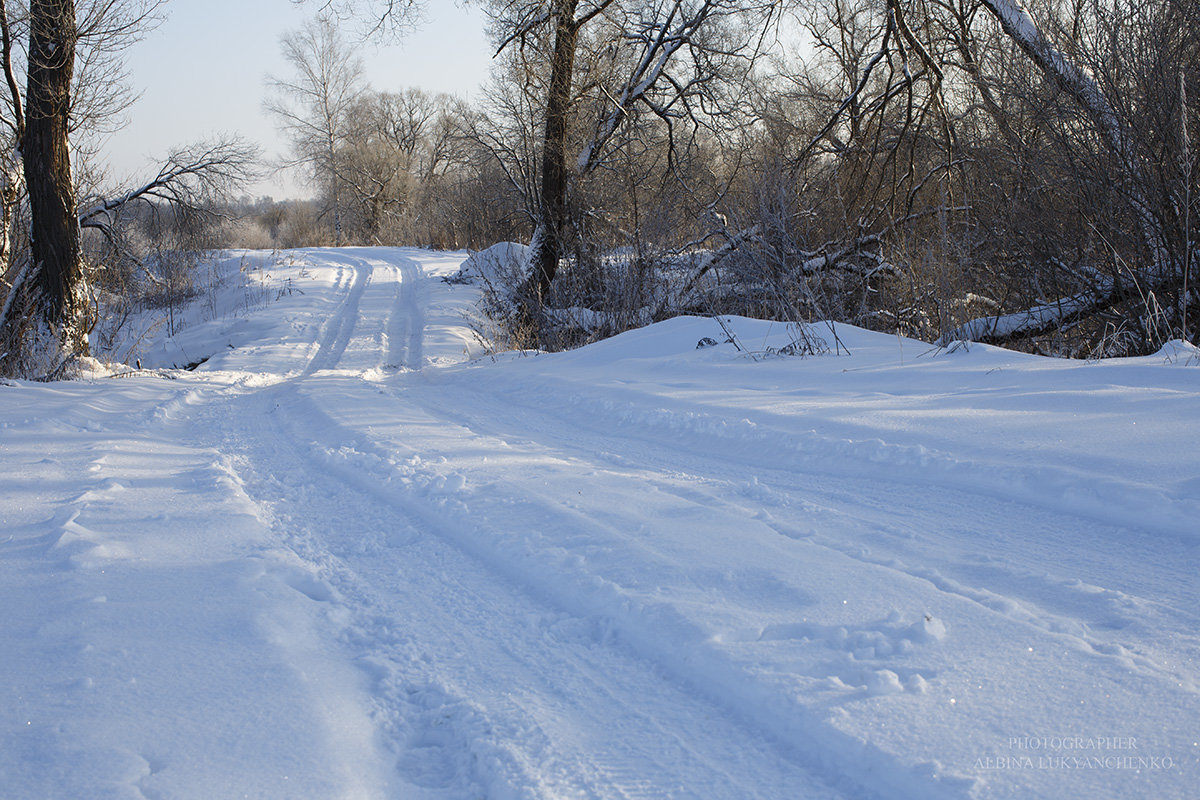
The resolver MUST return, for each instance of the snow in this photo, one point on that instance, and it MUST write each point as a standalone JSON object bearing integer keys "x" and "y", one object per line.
{"x": 493, "y": 266}
{"x": 350, "y": 555}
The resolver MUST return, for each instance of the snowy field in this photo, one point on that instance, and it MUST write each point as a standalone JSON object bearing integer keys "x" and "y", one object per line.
{"x": 351, "y": 556}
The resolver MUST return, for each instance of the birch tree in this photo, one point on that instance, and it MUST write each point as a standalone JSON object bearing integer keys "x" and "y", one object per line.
{"x": 314, "y": 107}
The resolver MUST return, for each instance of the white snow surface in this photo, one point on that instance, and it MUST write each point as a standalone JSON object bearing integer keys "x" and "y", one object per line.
{"x": 350, "y": 556}
{"x": 494, "y": 266}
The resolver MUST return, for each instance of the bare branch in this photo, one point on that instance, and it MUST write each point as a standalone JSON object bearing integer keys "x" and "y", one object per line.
{"x": 9, "y": 76}
{"x": 187, "y": 179}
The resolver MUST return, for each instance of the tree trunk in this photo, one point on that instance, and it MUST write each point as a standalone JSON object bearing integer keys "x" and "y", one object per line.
{"x": 12, "y": 178}
{"x": 335, "y": 179}
{"x": 12, "y": 184}
{"x": 54, "y": 229}
{"x": 553, "y": 206}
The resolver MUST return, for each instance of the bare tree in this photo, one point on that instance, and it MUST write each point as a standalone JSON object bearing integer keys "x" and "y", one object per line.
{"x": 314, "y": 107}
{"x": 190, "y": 180}
{"x": 664, "y": 58}
{"x": 100, "y": 93}
{"x": 1127, "y": 72}
{"x": 380, "y": 17}
{"x": 1035, "y": 165}
{"x": 397, "y": 146}
{"x": 72, "y": 87}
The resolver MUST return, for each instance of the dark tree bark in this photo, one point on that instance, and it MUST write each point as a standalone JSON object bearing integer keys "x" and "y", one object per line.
{"x": 54, "y": 229}
{"x": 553, "y": 202}
{"x": 653, "y": 34}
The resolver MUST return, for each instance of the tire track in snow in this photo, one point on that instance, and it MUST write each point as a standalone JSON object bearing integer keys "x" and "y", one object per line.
{"x": 359, "y": 465}
{"x": 481, "y": 688}
{"x": 653, "y": 633}
{"x": 401, "y": 330}
{"x": 1103, "y": 500}
{"x": 393, "y": 347}
{"x": 409, "y": 318}
{"x": 405, "y": 328}
{"x": 336, "y": 334}
{"x": 1064, "y": 606}
{"x": 441, "y": 721}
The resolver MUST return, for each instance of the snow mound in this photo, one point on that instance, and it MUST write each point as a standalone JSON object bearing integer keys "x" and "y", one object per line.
{"x": 1178, "y": 350}
{"x": 494, "y": 266}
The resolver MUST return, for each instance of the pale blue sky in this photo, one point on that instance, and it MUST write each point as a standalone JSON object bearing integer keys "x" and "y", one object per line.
{"x": 203, "y": 72}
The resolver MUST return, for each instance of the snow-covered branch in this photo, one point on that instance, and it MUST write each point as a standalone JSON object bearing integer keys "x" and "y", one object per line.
{"x": 1001, "y": 328}
{"x": 1020, "y": 26}
{"x": 1045, "y": 317}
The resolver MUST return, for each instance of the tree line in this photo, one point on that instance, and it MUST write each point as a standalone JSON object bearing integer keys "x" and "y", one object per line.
{"x": 947, "y": 169}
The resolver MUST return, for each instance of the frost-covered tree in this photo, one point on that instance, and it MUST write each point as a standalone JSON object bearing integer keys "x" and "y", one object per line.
{"x": 398, "y": 145}
{"x": 314, "y": 107}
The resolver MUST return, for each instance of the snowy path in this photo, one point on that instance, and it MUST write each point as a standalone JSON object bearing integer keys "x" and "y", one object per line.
{"x": 476, "y": 684}
{"x": 635, "y": 570}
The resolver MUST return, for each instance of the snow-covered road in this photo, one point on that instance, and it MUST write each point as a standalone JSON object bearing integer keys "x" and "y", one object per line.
{"x": 347, "y": 558}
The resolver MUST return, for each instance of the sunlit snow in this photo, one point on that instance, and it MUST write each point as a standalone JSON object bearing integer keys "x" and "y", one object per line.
{"x": 352, "y": 555}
